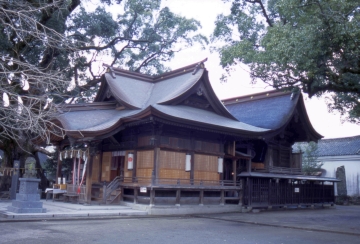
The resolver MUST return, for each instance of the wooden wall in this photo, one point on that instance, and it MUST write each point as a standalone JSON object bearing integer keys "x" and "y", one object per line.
{"x": 206, "y": 167}
{"x": 95, "y": 168}
{"x": 127, "y": 173}
{"x": 172, "y": 165}
{"x": 106, "y": 164}
{"x": 144, "y": 163}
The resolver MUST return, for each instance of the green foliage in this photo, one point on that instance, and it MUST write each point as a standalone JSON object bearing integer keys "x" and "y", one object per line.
{"x": 59, "y": 47}
{"x": 310, "y": 45}
{"x": 53, "y": 51}
{"x": 310, "y": 163}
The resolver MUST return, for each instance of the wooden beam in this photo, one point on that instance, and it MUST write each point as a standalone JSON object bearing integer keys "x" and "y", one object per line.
{"x": 88, "y": 185}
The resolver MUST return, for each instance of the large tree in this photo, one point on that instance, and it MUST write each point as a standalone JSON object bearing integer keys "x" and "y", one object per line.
{"x": 307, "y": 45}
{"x": 51, "y": 51}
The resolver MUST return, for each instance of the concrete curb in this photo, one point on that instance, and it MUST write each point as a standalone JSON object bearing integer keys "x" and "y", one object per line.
{"x": 279, "y": 225}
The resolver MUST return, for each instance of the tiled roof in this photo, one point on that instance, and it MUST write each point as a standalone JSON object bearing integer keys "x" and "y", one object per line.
{"x": 139, "y": 95}
{"x": 338, "y": 146}
{"x": 266, "y": 110}
{"x": 196, "y": 115}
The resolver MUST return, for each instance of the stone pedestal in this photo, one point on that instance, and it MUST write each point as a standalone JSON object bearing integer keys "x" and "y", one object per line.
{"x": 28, "y": 198}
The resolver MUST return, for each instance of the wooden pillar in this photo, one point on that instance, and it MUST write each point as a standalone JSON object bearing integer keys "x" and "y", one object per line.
{"x": 241, "y": 194}
{"x": 201, "y": 198}
{"x": 222, "y": 197}
{"x": 134, "y": 164}
{"x": 249, "y": 191}
{"x": 269, "y": 196}
{"x": 121, "y": 194}
{"x": 100, "y": 166}
{"x": 248, "y": 165}
{"x": 135, "y": 195}
{"x": 156, "y": 163}
{"x": 192, "y": 163}
{"x": 152, "y": 197}
{"x": 323, "y": 193}
{"x": 178, "y": 196}
{"x": 234, "y": 171}
{"x": 59, "y": 163}
{"x": 89, "y": 180}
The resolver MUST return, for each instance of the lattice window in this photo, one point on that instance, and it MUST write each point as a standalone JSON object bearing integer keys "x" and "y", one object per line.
{"x": 172, "y": 165}
{"x": 145, "y": 159}
{"x": 106, "y": 163}
{"x": 205, "y": 167}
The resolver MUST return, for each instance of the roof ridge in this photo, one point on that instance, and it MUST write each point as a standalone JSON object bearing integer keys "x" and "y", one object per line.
{"x": 340, "y": 138}
{"x": 255, "y": 96}
{"x": 155, "y": 78}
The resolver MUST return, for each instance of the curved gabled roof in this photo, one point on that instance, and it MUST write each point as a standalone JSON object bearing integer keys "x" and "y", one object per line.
{"x": 272, "y": 110}
{"x": 205, "y": 118}
{"x": 138, "y": 96}
{"x": 267, "y": 110}
{"x": 129, "y": 91}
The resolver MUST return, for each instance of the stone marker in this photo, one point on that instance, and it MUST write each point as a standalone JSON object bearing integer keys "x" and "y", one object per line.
{"x": 14, "y": 180}
{"x": 341, "y": 186}
{"x": 28, "y": 198}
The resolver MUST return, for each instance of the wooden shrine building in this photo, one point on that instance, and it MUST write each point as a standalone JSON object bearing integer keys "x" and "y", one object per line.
{"x": 168, "y": 140}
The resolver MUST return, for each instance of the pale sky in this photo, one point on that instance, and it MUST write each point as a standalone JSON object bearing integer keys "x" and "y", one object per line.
{"x": 325, "y": 123}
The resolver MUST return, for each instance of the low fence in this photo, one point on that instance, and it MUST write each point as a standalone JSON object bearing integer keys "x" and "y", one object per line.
{"x": 76, "y": 190}
{"x": 268, "y": 192}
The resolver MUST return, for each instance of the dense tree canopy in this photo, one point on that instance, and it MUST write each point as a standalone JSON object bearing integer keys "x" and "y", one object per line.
{"x": 307, "y": 45}
{"x": 51, "y": 51}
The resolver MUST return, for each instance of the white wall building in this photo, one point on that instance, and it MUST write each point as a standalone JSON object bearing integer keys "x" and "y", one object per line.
{"x": 337, "y": 152}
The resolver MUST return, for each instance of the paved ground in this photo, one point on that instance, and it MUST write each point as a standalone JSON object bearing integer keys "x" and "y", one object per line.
{"x": 61, "y": 210}
{"x": 341, "y": 219}
{"x": 174, "y": 230}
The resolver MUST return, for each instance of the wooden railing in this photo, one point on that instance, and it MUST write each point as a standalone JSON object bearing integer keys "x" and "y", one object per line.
{"x": 112, "y": 186}
{"x": 176, "y": 182}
